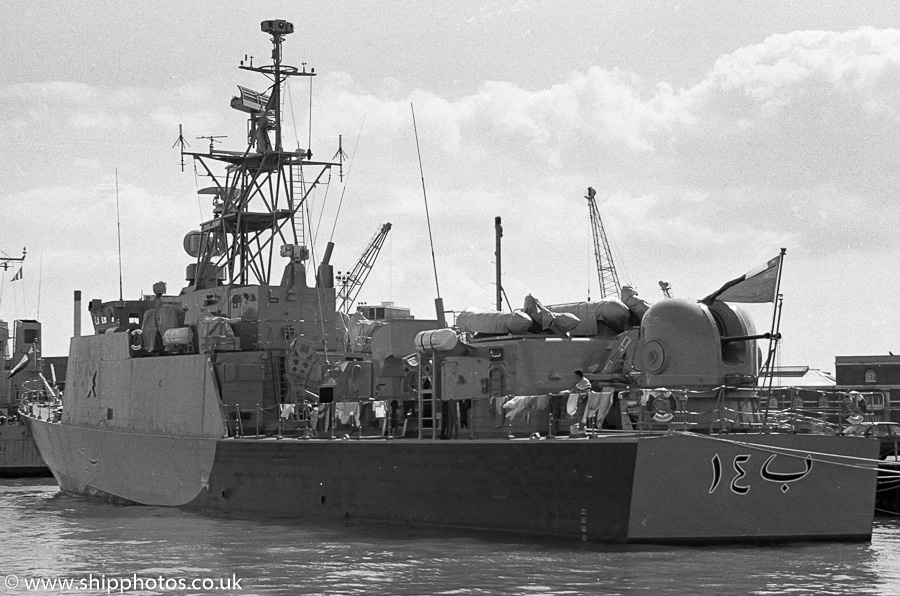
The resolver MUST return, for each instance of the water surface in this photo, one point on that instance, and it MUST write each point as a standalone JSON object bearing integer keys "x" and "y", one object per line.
{"x": 47, "y": 536}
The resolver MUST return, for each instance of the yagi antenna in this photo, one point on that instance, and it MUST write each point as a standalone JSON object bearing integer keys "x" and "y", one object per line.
{"x": 213, "y": 139}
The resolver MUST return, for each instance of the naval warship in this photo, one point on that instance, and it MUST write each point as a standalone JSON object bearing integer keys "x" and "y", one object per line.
{"x": 252, "y": 394}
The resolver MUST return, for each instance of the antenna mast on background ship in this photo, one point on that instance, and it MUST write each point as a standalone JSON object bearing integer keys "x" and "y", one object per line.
{"x": 5, "y": 261}
{"x": 257, "y": 202}
{"x": 606, "y": 270}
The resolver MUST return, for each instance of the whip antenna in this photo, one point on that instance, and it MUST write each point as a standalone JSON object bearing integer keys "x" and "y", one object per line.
{"x": 438, "y": 302}
{"x": 119, "y": 233}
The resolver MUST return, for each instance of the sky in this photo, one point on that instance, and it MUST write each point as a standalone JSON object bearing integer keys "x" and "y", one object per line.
{"x": 715, "y": 133}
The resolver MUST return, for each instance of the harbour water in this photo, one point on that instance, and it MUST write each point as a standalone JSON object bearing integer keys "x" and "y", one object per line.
{"x": 52, "y": 543}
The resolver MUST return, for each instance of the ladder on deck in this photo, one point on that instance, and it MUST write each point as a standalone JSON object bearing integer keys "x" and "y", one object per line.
{"x": 297, "y": 193}
{"x": 429, "y": 403}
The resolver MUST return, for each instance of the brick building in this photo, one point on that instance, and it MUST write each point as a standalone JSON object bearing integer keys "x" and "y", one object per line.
{"x": 877, "y": 378}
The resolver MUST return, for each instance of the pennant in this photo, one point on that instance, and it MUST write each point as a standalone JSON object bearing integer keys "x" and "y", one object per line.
{"x": 17, "y": 276}
{"x": 22, "y": 363}
{"x": 756, "y": 286}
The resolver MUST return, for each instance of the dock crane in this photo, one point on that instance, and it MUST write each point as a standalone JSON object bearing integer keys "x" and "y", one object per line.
{"x": 606, "y": 270}
{"x": 351, "y": 283}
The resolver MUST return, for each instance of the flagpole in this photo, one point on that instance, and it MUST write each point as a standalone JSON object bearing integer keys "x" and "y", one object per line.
{"x": 773, "y": 341}
{"x": 773, "y": 337}
{"x": 16, "y": 301}
{"x": 776, "y": 308}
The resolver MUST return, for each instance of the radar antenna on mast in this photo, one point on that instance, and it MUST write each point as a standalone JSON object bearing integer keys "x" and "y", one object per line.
{"x": 212, "y": 139}
{"x": 606, "y": 270}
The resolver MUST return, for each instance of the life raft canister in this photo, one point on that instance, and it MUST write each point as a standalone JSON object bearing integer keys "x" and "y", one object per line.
{"x": 440, "y": 340}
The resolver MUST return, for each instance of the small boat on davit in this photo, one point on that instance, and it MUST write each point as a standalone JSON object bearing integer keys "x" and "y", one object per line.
{"x": 249, "y": 394}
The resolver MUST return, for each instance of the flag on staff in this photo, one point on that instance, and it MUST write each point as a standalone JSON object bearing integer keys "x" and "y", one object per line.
{"x": 756, "y": 286}
{"x": 26, "y": 357}
{"x": 17, "y": 276}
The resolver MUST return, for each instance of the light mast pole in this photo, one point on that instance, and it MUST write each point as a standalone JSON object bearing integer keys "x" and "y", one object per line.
{"x": 498, "y": 234}
{"x": 278, "y": 29}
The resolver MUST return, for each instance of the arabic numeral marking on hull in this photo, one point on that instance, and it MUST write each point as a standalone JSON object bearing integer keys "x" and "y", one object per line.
{"x": 735, "y": 487}
{"x": 785, "y": 477}
{"x": 717, "y": 473}
{"x": 782, "y": 478}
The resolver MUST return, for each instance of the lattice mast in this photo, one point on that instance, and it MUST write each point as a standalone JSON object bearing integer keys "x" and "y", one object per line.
{"x": 606, "y": 270}
{"x": 257, "y": 200}
{"x": 352, "y": 282}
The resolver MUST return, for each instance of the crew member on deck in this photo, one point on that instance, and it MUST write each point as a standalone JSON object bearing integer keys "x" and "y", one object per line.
{"x": 578, "y": 397}
{"x": 583, "y": 385}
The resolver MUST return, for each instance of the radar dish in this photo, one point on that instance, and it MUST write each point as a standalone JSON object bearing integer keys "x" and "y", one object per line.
{"x": 192, "y": 242}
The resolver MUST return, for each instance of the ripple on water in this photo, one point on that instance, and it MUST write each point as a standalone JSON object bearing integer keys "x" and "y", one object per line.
{"x": 55, "y": 535}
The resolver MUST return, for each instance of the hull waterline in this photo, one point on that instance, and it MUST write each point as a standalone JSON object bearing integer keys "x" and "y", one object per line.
{"x": 651, "y": 489}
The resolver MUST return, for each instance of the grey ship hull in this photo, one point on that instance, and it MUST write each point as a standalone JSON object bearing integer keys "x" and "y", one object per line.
{"x": 650, "y": 489}
{"x": 18, "y": 454}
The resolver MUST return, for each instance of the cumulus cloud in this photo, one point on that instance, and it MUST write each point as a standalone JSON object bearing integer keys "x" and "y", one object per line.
{"x": 798, "y": 109}
{"x": 788, "y": 142}
{"x": 794, "y": 109}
